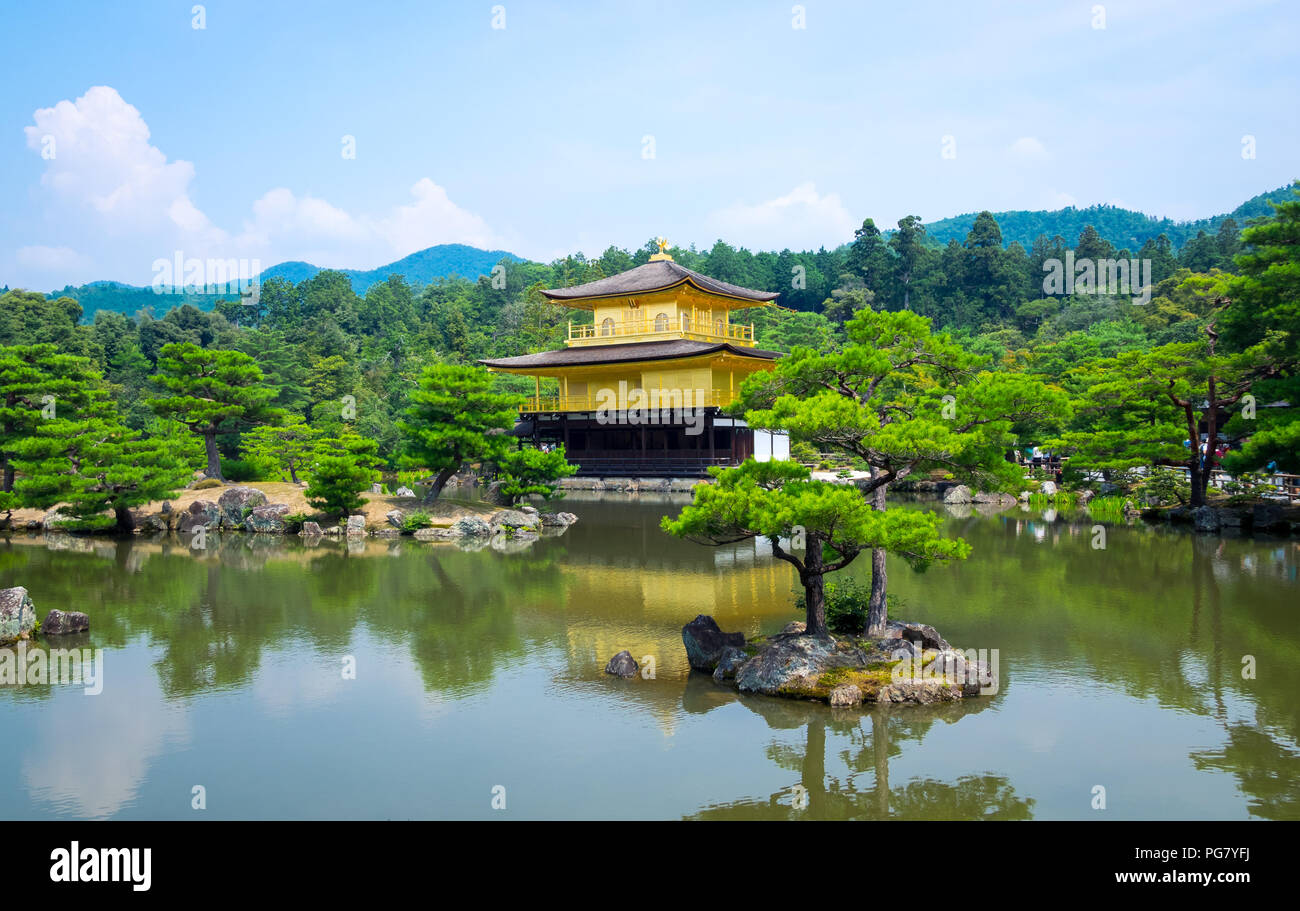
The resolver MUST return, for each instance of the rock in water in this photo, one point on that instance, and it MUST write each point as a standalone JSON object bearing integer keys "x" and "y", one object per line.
{"x": 471, "y": 527}
{"x": 310, "y": 530}
{"x": 1048, "y": 489}
{"x": 396, "y": 518}
{"x": 845, "y": 694}
{"x": 958, "y": 494}
{"x": 729, "y": 663}
{"x": 926, "y": 636}
{"x": 17, "y": 613}
{"x": 356, "y": 526}
{"x": 203, "y": 513}
{"x": 622, "y": 665}
{"x": 1206, "y": 519}
{"x": 704, "y": 642}
{"x": 61, "y": 623}
{"x": 238, "y": 502}
{"x": 267, "y": 520}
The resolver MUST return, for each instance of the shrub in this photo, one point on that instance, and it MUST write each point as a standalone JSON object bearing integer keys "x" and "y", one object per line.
{"x": 294, "y": 521}
{"x": 206, "y": 484}
{"x": 241, "y": 470}
{"x": 416, "y": 520}
{"x": 846, "y": 605}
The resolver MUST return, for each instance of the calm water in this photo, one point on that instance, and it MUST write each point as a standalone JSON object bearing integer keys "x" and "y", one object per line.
{"x": 1120, "y": 667}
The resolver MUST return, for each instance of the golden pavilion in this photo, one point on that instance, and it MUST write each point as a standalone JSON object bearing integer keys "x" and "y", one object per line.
{"x": 640, "y": 387}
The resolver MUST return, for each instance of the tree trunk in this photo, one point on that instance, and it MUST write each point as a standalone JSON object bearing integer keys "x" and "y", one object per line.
{"x": 814, "y": 587}
{"x": 125, "y": 521}
{"x": 293, "y": 475}
{"x": 438, "y": 484}
{"x": 214, "y": 457}
{"x": 878, "y": 604}
{"x": 9, "y": 477}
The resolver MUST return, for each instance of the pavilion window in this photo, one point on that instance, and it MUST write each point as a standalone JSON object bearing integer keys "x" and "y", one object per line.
{"x": 661, "y": 322}
{"x": 607, "y": 326}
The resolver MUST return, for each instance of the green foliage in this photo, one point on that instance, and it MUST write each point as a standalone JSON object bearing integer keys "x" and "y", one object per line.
{"x": 207, "y": 484}
{"x": 414, "y": 521}
{"x": 532, "y": 472}
{"x": 1165, "y": 487}
{"x": 450, "y": 419}
{"x": 341, "y": 468}
{"x": 778, "y": 500}
{"x": 847, "y": 603}
{"x": 281, "y": 451}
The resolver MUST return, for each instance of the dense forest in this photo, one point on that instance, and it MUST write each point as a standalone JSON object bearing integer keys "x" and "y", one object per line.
{"x": 317, "y": 341}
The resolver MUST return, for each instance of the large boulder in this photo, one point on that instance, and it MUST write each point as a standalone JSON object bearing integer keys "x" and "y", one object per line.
{"x": 994, "y": 499}
{"x": 17, "y": 614}
{"x": 1269, "y": 517}
{"x": 705, "y": 642}
{"x": 919, "y": 633}
{"x": 61, "y": 623}
{"x": 1048, "y": 489}
{"x": 55, "y": 520}
{"x": 267, "y": 520}
{"x": 729, "y": 663}
{"x": 471, "y": 527}
{"x": 310, "y": 530}
{"x": 513, "y": 520}
{"x": 794, "y": 665}
{"x": 396, "y": 518}
{"x": 356, "y": 526}
{"x": 404, "y": 492}
{"x": 957, "y": 494}
{"x": 203, "y": 513}
{"x": 237, "y": 502}
{"x": 1206, "y": 519}
{"x": 622, "y": 665}
{"x": 558, "y": 519}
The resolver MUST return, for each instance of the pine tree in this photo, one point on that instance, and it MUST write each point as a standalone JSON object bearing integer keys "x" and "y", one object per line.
{"x": 341, "y": 468}
{"x": 212, "y": 392}
{"x": 449, "y": 420}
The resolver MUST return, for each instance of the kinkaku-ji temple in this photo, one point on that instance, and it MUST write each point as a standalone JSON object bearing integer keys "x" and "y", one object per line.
{"x": 641, "y": 387}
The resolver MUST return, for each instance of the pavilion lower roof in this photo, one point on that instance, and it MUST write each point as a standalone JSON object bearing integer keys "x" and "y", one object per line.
{"x": 634, "y": 351}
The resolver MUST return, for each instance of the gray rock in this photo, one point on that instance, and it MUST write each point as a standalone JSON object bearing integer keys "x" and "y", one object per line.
{"x": 267, "y": 520}
{"x": 203, "y": 513}
{"x": 238, "y": 502}
{"x": 845, "y": 694}
{"x": 957, "y": 494}
{"x": 376, "y": 488}
{"x": 17, "y": 614}
{"x": 404, "y": 492}
{"x": 435, "y": 534}
{"x": 705, "y": 642}
{"x": 1085, "y": 496}
{"x": 923, "y": 692}
{"x": 356, "y": 526}
{"x": 471, "y": 527}
{"x": 61, "y": 623}
{"x": 310, "y": 530}
{"x": 789, "y": 665}
{"x": 994, "y": 499}
{"x": 1236, "y": 518}
{"x": 558, "y": 519}
{"x": 512, "y": 519}
{"x": 622, "y": 665}
{"x": 395, "y": 518}
{"x": 925, "y": 636}
{"x": 794, "y": 628}
{"x": 54, "y": 520}
{"x": 729, "y": 662}
{"x": 1268, "y": 517}
{"x": 1206, "y": 519}
{"x": 167, "y": 506}
{"x": 1024, "y": 496}
{"x": 1048, "y": 489}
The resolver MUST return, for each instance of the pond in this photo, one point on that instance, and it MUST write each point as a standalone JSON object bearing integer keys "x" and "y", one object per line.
{"x": 395, "y": 679}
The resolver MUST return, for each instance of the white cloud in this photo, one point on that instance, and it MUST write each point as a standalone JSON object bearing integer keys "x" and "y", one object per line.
{"x": 801, "y": 219}
{"x": 1028, "y": 148}
{"x": 130, "y": 205}
{"x": 50, "y": 259}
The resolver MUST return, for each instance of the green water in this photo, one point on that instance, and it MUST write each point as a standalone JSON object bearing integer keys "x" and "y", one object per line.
{"x": 474, "y": 671}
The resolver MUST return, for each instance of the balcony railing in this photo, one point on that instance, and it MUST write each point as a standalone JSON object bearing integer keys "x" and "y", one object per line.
{"x": 687, "y": 325}
{"x": 661, "y": 399}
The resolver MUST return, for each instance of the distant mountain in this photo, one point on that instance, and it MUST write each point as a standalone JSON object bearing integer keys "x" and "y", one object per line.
{"x": 1124, "y": 228}
{"x": 420, "y": 268}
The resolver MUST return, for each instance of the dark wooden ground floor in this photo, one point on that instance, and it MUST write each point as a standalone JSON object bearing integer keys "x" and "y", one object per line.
{"x": 616, "y": 446}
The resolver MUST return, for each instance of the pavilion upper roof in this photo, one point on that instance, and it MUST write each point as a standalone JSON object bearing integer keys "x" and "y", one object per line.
{"x": 614, "y": 354}
{"x": 656, "y": 275}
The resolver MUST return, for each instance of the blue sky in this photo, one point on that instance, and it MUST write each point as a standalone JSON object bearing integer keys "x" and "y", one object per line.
{"x": 227, "y": 141}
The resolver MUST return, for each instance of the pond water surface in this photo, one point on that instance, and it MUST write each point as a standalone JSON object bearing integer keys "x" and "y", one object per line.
{"x": 480, "y": 670}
